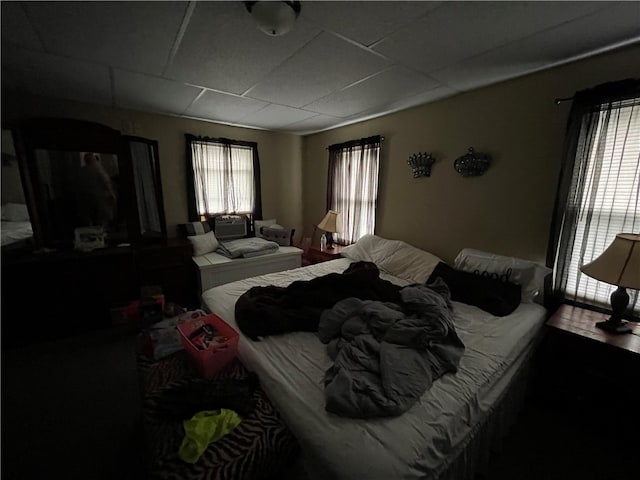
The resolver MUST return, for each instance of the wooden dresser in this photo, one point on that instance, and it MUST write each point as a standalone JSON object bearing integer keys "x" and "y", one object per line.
{"x": 62, "y": 293}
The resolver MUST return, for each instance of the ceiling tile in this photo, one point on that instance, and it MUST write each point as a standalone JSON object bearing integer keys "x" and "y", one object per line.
{"x": 313, "y": 124}
{"x": 385, "y": 88}
{"x": 607, "y": 27}
{"x": 223, "y": 108}
{"x": 459, "y": 30}
{"x": 137, "y": 36}
{"x": 152, "y": 94}
{"x": 325, "y": 64}
{"x": 408, "y": 102}
{"x": 223, "y": 49}
{"x": 275, "y": 116}
{"x": 56, "y": 77}
{"x": 365, "y": 22}
{"x": 16, "y": 27}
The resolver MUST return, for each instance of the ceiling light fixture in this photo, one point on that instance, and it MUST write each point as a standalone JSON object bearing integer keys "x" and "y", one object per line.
{"x": 273, "y": 17}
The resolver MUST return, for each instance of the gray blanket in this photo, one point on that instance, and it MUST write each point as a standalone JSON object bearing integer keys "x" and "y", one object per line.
{"x": 387, "y": 355}
{"x": 247, "y": 247}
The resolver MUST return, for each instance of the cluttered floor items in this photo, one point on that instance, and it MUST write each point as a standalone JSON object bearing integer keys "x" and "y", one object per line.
{"x": 204, "y": 421}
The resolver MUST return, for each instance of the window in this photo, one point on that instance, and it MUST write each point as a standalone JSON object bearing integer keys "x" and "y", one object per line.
{"x": 599, "y": 191}
{"x": 353, "y": 186}
{"x": 224, "y": 177}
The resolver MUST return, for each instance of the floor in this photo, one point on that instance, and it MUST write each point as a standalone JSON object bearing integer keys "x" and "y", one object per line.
{"x": 71, "y": 409}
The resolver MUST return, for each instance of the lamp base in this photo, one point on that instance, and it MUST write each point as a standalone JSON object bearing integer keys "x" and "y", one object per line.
{"x": 329, "y": 237}
{"x": 614, "y": 326}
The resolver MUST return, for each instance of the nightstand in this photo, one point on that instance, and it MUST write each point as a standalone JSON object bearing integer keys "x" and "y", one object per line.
{"x": 582, "y": 323}
{"x": 585, "y": 366}
{"x": 316, "y": 255}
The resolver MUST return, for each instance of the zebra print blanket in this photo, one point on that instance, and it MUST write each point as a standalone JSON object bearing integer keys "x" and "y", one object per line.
{"x": 259, "y": 448}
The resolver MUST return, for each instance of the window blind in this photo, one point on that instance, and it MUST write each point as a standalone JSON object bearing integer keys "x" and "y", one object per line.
{"x": 610, "y": 202}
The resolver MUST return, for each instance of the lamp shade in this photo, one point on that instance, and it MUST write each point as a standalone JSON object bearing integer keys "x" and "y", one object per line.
{"x": 619, "y": 264}
{"x": 331, "y": 222}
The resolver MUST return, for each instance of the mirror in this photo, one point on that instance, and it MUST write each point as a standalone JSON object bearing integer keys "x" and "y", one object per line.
{"x": 148, "y": 186}
{"x": 86, "y": 179}
{"x": 16, "y": 223}
{"x": 79, "y": 189}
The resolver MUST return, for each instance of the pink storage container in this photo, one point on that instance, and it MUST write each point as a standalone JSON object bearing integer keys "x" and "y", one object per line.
{"x": 211, "y": 358}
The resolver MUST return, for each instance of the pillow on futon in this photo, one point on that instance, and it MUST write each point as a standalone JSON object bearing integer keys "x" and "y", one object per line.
{"x": 193, "y": 228}
{"x": 491, "y": 295}
{"x": 258, "y": 225}
{"x": 203, "y": 244}
{"x": 282, "y": 236}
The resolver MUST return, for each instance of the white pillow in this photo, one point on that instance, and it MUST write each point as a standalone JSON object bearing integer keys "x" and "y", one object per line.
{"x": 410, "y": 263}
{"x": 15, "y": 212}
{"x": 371, "y": 248}
{"x": 529, "y": 275}
{"x": 203, "y": 244}
{"x": 258, "y": 224}
{"x": 395, "y": 257}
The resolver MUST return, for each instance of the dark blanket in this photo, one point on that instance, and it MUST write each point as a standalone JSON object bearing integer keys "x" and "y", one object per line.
{"x": 387, "y": 355}
{"x": 270, "y": 310}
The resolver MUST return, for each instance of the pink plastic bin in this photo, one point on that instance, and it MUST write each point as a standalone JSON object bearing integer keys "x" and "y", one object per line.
{"x": 211, "y": 360}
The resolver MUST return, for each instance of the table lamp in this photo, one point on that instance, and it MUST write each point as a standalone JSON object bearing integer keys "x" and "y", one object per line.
{"x": 618, "y": 265}
{"x": 330, "y": 223}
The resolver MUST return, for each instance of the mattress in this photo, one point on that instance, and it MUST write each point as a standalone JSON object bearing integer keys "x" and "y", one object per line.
{"x": 423, "y": 441}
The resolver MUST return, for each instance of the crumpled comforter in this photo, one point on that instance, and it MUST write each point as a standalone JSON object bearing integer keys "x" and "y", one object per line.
{"x": 247, "y": 247}
{"x": 386, "y": 355}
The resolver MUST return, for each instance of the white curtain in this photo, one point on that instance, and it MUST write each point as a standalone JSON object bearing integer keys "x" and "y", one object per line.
{"x": 223, "y": 178}
{"x": 353, "y": 186}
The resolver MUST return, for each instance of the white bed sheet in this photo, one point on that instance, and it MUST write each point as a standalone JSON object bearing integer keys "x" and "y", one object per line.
{"x": 418, "y": 444}
{"x": 11, "y": 232}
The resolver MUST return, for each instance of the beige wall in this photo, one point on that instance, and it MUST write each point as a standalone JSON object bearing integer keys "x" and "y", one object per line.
{"x": 280, "y": 154}
{"x": 506, "y": 211}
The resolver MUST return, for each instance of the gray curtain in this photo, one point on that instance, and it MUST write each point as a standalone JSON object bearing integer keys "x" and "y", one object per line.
{"x": 598, "y": 191}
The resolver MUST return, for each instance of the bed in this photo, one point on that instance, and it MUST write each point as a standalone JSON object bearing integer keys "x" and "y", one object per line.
{"x": 445, "y": 434}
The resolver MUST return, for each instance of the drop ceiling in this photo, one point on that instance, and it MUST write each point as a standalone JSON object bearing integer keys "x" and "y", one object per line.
{"x": 343, "y": 62}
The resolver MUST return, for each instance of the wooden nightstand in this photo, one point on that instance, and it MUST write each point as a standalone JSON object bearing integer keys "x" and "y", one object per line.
{"x": 316, "y": 255}
{"x": 581, "y": 322}
{"x": 585, "y": 366}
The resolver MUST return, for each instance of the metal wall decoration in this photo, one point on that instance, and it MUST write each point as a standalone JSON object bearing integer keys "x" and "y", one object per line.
{"x": 421, "y": 164}
{"x": 472, "y": 164}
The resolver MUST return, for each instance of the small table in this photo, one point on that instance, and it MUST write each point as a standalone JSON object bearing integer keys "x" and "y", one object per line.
{"x": 318, "y": 255}
{"x": 587, "y": 365}
{"x": 581, "y": 322}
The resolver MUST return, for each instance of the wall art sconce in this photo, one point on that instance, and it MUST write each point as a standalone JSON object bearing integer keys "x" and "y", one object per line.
{"x": 472, "y": 164}
{"x": 421, "y": 164}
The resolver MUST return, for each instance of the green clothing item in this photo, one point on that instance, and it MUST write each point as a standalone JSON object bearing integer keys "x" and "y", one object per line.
{"x": 204, "y": 428}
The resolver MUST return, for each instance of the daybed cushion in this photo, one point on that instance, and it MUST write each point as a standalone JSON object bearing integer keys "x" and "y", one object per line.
{"x": 491, "y": 295}
{"x": 394, "y": 257}
{"x": 528, "y": 275}
{"x": 203, "y": 244}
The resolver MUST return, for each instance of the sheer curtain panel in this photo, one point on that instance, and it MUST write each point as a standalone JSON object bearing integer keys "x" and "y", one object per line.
{"x": 352, "y": 188}
{"x": 598, "y": 191}
{"x": 224, "y": 177}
